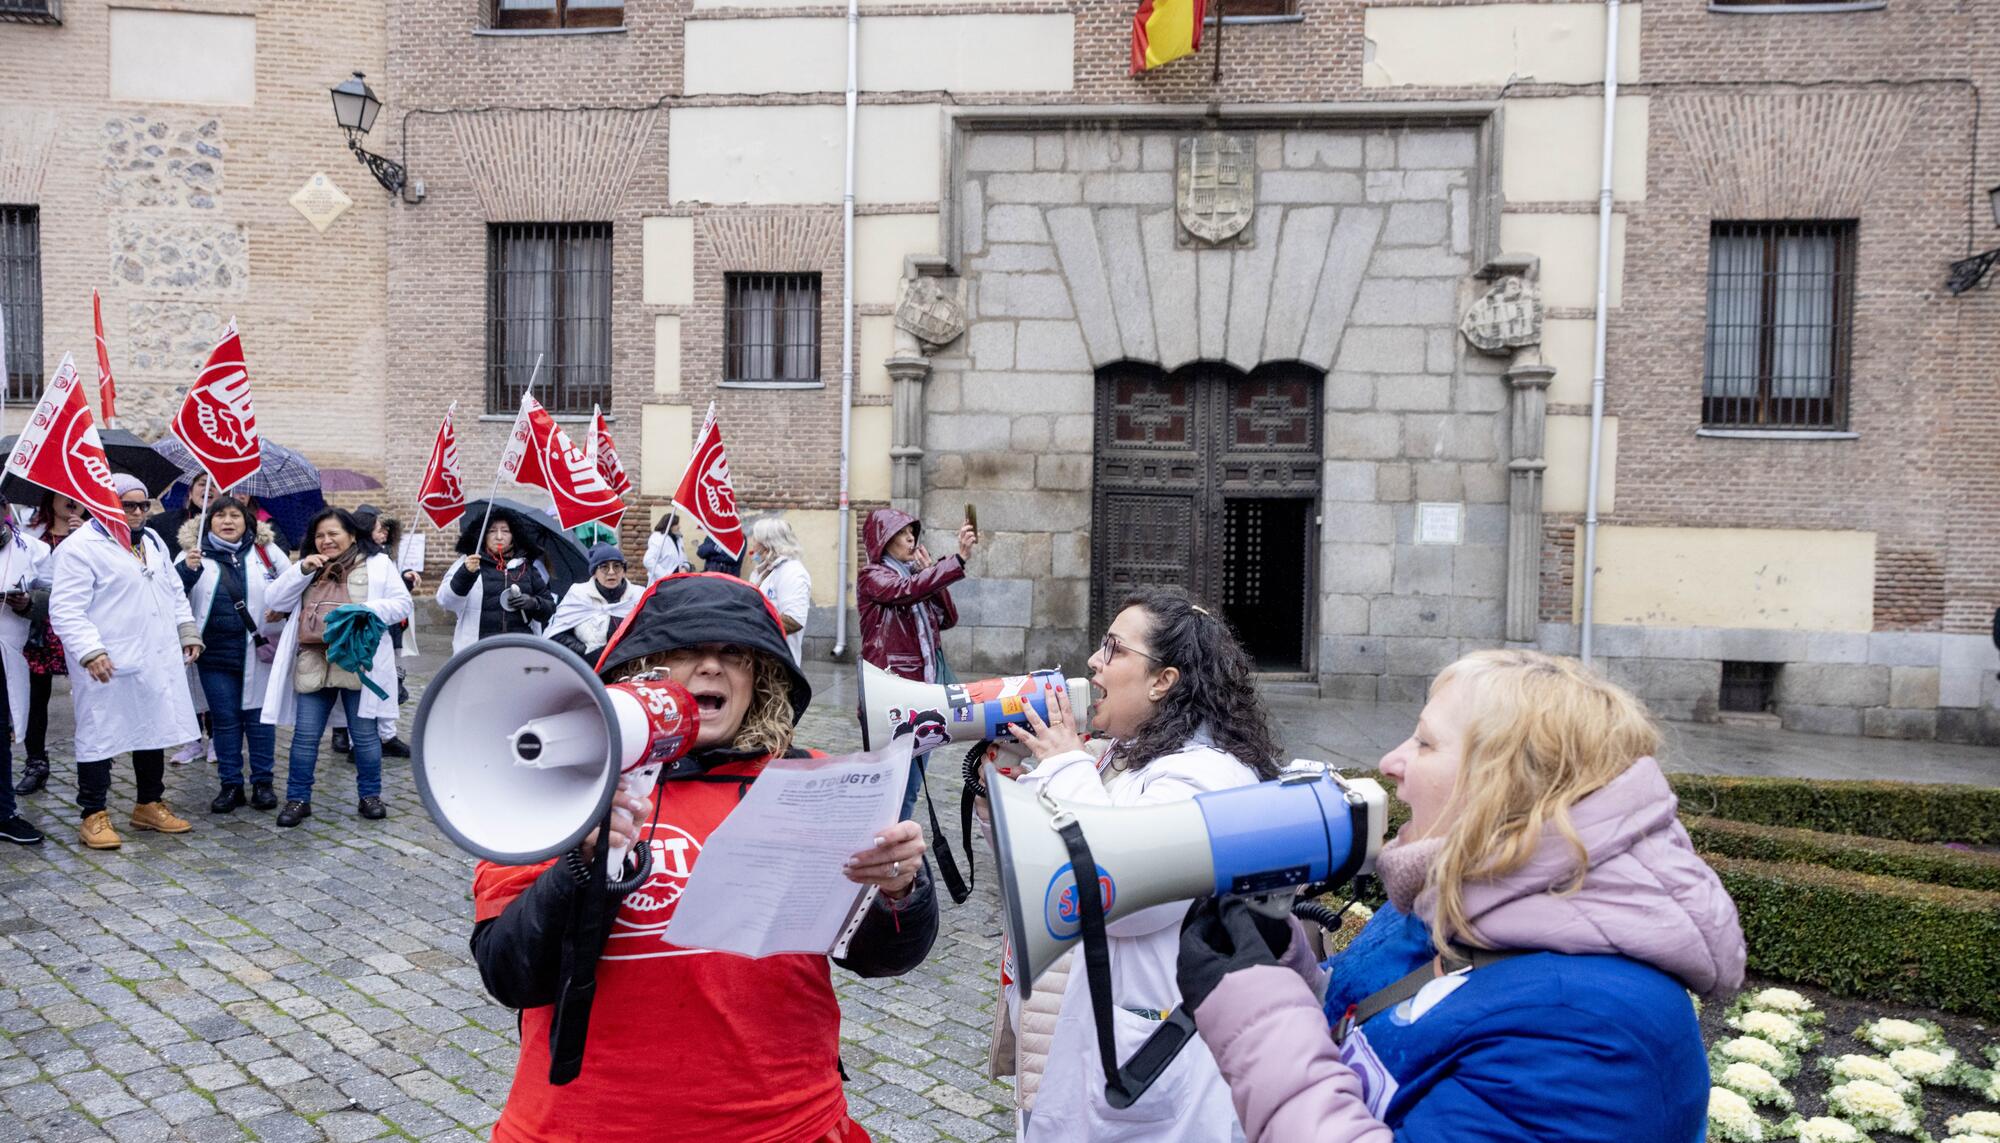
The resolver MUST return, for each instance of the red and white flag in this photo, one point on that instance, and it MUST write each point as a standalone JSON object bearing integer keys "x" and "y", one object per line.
{"x": 107, "y": 389}
{"x": 605, "y": 454}
{"x": 705, "y": 492}
{"x": 540, "y": 453}
{"x": 216, "y": 422}
{"x": 59, "y": 450}
{"x": 442, "y": 494}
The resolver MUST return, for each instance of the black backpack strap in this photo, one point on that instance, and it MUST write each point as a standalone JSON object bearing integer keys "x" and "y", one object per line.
{"x": 959, "y": 886}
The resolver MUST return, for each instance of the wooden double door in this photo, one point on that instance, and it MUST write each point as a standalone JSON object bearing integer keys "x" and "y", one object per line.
{"x": 1208, "y": 479}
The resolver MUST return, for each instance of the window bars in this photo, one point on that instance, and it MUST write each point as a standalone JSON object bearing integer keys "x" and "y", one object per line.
{"x": 548, "y": 294}
{"x": 1780, "y": 325}
{"x": 30, "y": 11}
{"x": 556, "y": 13}
{"x": 770, "y": 329}
{"x": 21, "y": 300}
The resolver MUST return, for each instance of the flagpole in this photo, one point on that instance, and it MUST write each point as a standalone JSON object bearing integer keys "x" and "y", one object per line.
{"x": 1217, "y": 77}
{"x": 479, "y": 541}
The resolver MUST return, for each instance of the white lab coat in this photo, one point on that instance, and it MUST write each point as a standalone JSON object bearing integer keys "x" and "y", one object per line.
{"x": 387, "y": 598}
{"x": 1190, "y": 1102}
{"x": 257, "y": 581}
{"x": 664, "y": 556}
{"x": 23, "y": 561}
{"x": 102, "y": 599}
{"x": 465, "y": 608}
{"x": 788, "y": 586}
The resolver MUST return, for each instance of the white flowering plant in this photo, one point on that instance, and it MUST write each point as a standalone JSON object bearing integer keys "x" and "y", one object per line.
{"x": 1985, "y": 1123}
{"x": 1872, "y": 1106}
{"x": 1840, "y": 1069}
{"x": 1784, "y": 1031}
{"x": 1890, "y": 1033}
{"x": 1783, "y": 1000}
{"x": 1755, "y": 1084}
{"x": 1926, "y": 1065}
{"x": 1822, "y": 1129}
{"x": 1980, "y": 1082}
{"x": 1963, "y": 1138}
{"x": 1778, "y": 1061}
{"x": 1731, "y": 1119}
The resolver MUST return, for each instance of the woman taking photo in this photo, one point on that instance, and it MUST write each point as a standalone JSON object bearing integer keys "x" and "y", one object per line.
{"x": 340, "y": 567}
{"x": 1529, "y": 977}
{"x": 1171, "y": 688}
{"x": 227, "y": 574}
{"x": 781, "y": 575}
{"x": 755, "y": 1043}
{"x": 497, "y": 589}
{"x": 53, "y": 522}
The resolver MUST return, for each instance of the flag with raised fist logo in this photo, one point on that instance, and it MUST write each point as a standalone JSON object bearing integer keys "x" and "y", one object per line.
{"x": 540, "y": 453}
{"x": 215, "y": 421}
{"x": 605, "y": 454}
{"x": 59, "y": 450}
{"x": 442, "y": 494}
{"x": 705, "y": 492}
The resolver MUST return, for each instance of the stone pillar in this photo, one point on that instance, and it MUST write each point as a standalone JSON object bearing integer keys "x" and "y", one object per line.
{"x": 1529, "y": 384}
{"x": 907, "y": 373}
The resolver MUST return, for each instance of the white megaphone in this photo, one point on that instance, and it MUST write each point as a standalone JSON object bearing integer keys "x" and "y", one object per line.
{"x": 1311, "y": 825}
{"x": 937, "y": 714}
{"x": 518, "y": 747}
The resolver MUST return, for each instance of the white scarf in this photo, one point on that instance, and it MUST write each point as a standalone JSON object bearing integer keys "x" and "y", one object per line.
{"x": 585, "y": 610}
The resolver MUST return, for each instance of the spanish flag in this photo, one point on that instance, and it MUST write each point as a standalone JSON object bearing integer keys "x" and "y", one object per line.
{"x": 1165, "y": 30}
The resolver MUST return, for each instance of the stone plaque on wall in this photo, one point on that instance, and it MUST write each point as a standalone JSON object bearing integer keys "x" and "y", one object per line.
{"x": 1215, "y": 186}
{"x": 1506, "y": 317}
{"x": 928, "y": 313}
{"x": 321, "y": 201}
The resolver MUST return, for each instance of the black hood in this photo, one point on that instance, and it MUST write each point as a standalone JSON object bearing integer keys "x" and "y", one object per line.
{"x": 692, "y": 608}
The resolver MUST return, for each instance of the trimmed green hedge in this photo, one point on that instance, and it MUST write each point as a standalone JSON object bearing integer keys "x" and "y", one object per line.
{"x": 1862, "y": 935}
{"x": 1899, "y": 810}
{"x": 1933, "y": 864}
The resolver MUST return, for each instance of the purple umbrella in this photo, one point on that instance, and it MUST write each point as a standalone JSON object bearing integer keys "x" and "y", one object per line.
{"x": 346, "y": 480}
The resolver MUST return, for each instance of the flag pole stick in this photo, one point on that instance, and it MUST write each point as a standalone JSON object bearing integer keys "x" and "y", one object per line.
{"x": 1217, "y": 77}
{"x": 479, "y": 541}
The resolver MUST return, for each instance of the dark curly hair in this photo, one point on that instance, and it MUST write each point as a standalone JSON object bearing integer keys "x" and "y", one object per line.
{"x": 1214, "y": 693}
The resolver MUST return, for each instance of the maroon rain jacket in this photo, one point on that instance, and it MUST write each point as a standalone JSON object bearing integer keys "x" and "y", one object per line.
{"x": 888, "y": 600}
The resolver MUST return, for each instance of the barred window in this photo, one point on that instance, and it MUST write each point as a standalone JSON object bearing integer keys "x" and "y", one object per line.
{"x": 21, "y": 300}
{"x": 558, "y": 13}
{"x": 1796, "y": 6}
{"x": 548, "y": 294}
{"x": 1234, "y": 10}
{"x": 30, "y": 11}
{"x": 771, "y": 329}
{"x": 1780, "y": 325}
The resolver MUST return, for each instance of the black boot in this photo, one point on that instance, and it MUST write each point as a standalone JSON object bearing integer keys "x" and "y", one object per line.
{"x": 371, "y": 807}
{"x": 340, "y": 745}
{"x": 294, "y": 813}
{"x": 261, "y": 796}
{"x": 395, "y": 748}
{"x": 34, "y": 775}
{"x": 227, "y": 801}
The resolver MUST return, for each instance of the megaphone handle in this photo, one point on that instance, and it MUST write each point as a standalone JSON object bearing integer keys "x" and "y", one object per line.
{"x": 636, "y": 783}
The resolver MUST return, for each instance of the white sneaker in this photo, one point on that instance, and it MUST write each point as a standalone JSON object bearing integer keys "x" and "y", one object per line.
{"x": 186, "y": 754}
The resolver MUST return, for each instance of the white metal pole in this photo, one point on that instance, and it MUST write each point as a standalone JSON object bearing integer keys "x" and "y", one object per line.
{"x": 846, "y": 337}
{"x": 479, "y": 541}
{"x": 1597, "y": 369}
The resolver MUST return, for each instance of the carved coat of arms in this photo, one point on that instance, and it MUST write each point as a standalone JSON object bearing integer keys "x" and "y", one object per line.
{"x": 928, "y": 313}
{"x": 1215, "y": 185}
{"x": 1507, "y": 316}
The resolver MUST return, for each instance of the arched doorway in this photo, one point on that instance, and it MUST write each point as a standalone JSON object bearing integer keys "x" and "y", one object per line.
{"x": 1208, "y": 478}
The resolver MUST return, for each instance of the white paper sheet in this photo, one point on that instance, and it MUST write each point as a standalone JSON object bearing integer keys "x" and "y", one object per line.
{"x": 411, "y": 557}
{"x": 770, "y": 878}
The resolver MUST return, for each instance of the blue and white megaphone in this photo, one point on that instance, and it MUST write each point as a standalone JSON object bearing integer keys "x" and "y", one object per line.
{"x": 1311, "y": 825}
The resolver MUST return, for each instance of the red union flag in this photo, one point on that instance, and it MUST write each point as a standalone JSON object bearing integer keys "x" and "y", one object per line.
{"x": 60, "y": 451}
{"x": 107, "y": 389}
{"x": 540, "y": 453}
{"x": 442, "y": 494}
{"x": 216, "y": 422}
{"x": 705, "y": 492}
{"x": 605, "y": 454}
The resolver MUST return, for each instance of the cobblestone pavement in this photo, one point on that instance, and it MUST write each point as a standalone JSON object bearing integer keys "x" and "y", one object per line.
{"x": 246, "y": 982}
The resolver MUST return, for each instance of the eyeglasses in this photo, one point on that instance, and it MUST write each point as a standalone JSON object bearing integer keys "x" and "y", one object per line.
{"x": 730, "y": 655}
{"x": 135, "y": 505}
{"x": 1112, "y": 646}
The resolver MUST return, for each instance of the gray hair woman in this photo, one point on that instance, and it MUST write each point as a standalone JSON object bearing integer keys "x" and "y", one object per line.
{"x": 782, "y": 577}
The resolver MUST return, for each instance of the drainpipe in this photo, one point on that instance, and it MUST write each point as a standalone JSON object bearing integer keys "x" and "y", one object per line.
{"x": 846, "y": 340}
{"x": 1603, "y": 319}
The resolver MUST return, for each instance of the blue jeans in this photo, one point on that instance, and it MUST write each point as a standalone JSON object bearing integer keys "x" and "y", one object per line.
{"x": 229, "y": 726}
{"x": 313, "y": 711}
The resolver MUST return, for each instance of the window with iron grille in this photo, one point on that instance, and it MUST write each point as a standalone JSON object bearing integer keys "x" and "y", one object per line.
{"x": 1801, "y": 6}
{"x": 770, "y": 329}
{"x": 548, "y": 294}
{"x": 1233, "y": 10}
{"x": 21, "y": 299}
{"x": 558, "y": 13}
{"x": 30, "y": 11}
{"x": 1780, "y": 325}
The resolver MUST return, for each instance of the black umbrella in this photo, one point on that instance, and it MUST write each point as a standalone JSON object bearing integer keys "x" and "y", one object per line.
{"x": 126, "y": 452}
{"x": 534, "y": 529}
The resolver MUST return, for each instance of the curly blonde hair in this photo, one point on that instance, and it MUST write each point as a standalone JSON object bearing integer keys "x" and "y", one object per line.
{"x": 1541, "y": 732}
{"x": 767, "y": 724}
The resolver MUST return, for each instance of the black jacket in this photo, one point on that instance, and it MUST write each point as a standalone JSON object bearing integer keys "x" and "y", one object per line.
{"x": 494, "y": 581}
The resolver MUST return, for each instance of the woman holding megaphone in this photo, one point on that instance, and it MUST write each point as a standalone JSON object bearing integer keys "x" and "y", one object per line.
{"x": 1172, "y": 690}
{"x": 1529, "y": 977}
{"x": 686, "y": 1044}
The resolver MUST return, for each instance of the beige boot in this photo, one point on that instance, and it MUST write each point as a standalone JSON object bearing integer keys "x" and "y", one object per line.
{"x": 97, "y": 832}
{"x": 156, "y": 815}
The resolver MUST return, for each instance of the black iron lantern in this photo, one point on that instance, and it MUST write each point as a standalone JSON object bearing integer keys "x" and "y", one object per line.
{"x": 355, "y": 108}
{"x": 1969, "y": 272}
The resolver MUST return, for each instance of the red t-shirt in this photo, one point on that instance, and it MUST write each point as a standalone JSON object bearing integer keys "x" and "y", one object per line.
{"x": 684, "y": 1044}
